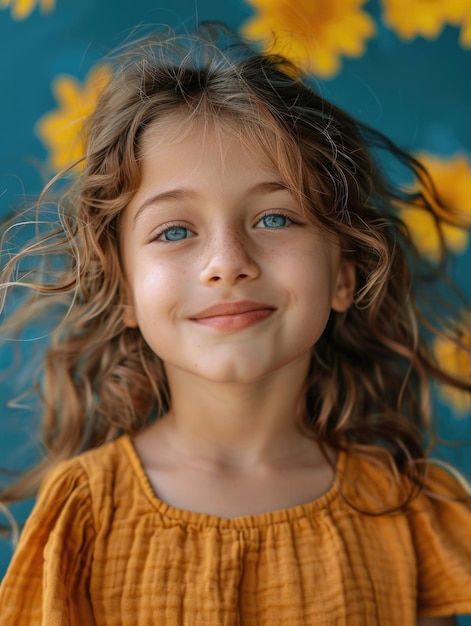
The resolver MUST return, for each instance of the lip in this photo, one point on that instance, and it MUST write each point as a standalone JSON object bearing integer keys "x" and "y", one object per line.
{"x": 233, "y": 316}
{"x": 232, "y": 308}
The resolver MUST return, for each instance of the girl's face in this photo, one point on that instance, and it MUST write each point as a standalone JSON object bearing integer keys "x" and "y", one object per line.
{"x": 227, "y": 280}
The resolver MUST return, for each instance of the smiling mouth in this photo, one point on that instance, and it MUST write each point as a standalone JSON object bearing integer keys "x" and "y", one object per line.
{"x": 232, "y": 316}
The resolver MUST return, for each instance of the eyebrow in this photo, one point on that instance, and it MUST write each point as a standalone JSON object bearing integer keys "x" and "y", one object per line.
{"x": 271, "y": 186}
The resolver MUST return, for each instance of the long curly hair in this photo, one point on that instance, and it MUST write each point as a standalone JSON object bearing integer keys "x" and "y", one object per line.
{"x": 369, "y": 385}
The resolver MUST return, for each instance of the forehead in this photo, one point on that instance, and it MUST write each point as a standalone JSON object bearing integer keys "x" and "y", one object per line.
{"x": 184, "y": 149}
{"x": 219, "y": 132}
{"x": 207, "y": 161}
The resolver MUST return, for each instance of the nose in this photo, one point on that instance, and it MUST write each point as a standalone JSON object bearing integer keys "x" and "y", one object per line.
{"x": 229, "y": 259}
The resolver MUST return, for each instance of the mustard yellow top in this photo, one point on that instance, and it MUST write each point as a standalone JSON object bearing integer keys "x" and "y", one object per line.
{"x": 100, "y": 548}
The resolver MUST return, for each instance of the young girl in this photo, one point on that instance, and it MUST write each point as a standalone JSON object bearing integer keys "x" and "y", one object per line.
{"x": 236, "y": 401}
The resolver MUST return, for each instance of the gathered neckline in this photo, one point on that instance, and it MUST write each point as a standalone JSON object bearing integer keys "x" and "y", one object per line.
{"x": 269, "y": 518}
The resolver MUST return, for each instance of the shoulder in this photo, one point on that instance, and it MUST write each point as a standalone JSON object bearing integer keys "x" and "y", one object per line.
{"x": 374, "y": 484}
{"x": 76, "y": 500}
{"x": 83, "y": 484}
{"x": 432, "y": 528}
{"x": 100, "y": 463}
{"x": 440, "y": 523}
{"x": 52, "y": 562}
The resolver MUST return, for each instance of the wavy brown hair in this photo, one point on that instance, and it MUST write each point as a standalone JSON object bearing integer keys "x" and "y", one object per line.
{"x": 369, "y": 384}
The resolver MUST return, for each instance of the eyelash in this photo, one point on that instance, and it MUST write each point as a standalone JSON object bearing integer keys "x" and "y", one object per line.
{"x": 174, "y": 225}
{"x": 280, "y": 213}
{"x": 165, "y": 228}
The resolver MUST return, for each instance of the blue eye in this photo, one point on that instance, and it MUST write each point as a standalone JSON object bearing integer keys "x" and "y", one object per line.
{"x": 176, "y": 233}
{"x": 274, "y": 221}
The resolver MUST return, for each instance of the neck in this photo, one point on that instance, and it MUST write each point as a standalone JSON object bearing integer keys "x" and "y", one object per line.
{"x": 237, "y": 424}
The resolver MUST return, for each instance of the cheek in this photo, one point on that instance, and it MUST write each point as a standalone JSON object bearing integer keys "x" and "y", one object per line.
{"x": 314, "y": 269}
{"x": 156, "y": 286}
{"x": 145, "y": 285}
{"x": 313, "y": 286}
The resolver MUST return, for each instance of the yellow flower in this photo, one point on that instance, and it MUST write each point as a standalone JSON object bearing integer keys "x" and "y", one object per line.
{"x": 21, "y": 9}
{"x": 61, "y": 129}
{"x": 456, "y": 360}
{"x": 312, "y": 33}
{"x": 452, "y": 178}
{"x": 465, "y": 35}
{"x": 410, "y": 18}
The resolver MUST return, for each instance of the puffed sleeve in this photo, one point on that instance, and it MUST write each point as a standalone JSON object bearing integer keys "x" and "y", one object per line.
{"x": 441, "y": 527}
{"x": 47, "y": 581}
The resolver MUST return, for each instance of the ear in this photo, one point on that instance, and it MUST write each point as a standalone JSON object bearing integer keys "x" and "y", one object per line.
{"x": 129, "y": 311}
{"x": 129, "y": 316}
{"x": 344, "y": 288}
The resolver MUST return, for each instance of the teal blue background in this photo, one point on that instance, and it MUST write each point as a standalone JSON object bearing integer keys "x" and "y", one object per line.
{"x": 419, "y": 93}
